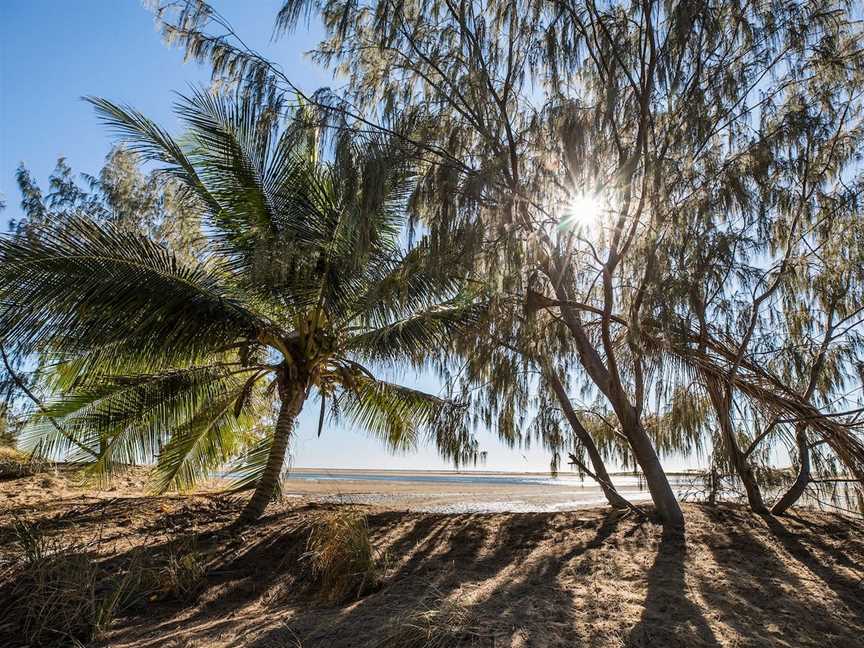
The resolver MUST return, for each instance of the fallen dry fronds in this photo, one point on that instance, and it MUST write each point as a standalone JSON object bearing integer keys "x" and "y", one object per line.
{"x": 436, "y": 622}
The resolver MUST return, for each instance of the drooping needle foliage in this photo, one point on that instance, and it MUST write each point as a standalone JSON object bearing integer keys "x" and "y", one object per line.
{"x": 658, "y": 178}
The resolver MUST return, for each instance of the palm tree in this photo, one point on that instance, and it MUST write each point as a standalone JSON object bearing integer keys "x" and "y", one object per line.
{"x": 306, "y": 286}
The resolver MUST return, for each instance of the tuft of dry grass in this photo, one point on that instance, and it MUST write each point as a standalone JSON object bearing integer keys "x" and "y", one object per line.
{"x": 15, "y": 465}
{"x": 343, "y": 562}
{"x": 184, "y": 573}
{"x": 437, "y": 622}
{"x": 60, "y": 596}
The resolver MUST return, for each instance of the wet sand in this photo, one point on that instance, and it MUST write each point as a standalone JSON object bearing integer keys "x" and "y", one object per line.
{"x": 463, "y": 492}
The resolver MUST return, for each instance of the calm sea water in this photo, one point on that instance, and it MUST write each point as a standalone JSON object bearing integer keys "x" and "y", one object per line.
{"x": 466, "y": 492}
{"x": 494, "y": 479}
{"x": 472, "y": 492}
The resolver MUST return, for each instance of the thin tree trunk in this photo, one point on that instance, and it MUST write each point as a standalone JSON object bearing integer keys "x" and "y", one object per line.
{"x": 662, "y": 494}
{"x": 721, "y": 399}
{"x": 600, "y": 474}
{"x": 791, "y": 496}
{"x": 292, "y": 402}
{"x": 803, "y": 479}
{"x": 713, "y": 486}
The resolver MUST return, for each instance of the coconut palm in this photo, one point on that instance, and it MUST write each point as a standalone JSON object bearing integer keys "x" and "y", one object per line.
{"x": 306, "y": 287}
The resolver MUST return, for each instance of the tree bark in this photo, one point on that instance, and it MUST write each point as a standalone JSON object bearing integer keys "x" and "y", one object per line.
{"x": 803, "y": 479}
{"x": 292, "y": 402}
{"x": 655, "y": 477}
{"x": 721, "y": 399}
{"x": 662, "y": 495}
{"x": 615, "y": 500}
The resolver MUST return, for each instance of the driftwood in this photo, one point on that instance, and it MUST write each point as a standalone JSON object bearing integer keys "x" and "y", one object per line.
{"x": 575, "y": 461}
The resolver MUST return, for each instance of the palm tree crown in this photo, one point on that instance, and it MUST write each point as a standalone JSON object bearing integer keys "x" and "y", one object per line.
{"x": 304, "y": 287}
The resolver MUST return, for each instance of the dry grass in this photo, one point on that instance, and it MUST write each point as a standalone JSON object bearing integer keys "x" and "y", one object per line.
{"x": 437, "y": 622}
{"x": 60, "y": 596}
{"x": 183, "y": 575}
{"x": 509, "y": 580}
{"x": 15, "y": 465}
{"x": 340, "y": 555}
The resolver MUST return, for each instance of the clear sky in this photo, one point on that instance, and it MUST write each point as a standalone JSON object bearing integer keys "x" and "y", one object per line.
{"x": 54, "y": 52}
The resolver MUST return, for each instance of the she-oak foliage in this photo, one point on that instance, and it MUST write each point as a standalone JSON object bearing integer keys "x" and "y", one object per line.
{"x": 305, "y": 287}
{"x": 724, "y": 140}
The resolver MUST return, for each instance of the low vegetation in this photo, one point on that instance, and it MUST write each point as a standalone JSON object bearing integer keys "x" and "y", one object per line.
{"x": 59, "y": 589}
{"x": 340, "y": 555}
{"x": 437, "y": 621}
{"x": 556, "y": 580}
{"x": 14, "y": 464}
{"x": 181, "y": 574}
{"x": 59, "y": 595}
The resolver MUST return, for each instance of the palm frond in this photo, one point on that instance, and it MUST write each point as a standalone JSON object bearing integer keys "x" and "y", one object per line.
{"x": 419, "y": 335}
{"x": 127, "y": 420}
{"x": 210, "y": 439}
{"x": 249, "y": 467}
{"x": 82, "y": 287}
{"x": 153, "y": 144}
{"x": 419, "y": 278}
{"x": 404, "y": 417}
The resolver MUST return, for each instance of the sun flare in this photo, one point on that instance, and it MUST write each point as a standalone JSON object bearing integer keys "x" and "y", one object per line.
{"x": 583, "y": 210}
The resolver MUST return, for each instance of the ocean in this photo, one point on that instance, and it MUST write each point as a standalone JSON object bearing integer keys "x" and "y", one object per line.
{"x": 467, "y": 492}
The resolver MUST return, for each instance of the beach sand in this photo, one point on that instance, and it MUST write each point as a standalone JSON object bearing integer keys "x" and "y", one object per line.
{"x": 449, "y": 492}
{"x": 523, "y": 579}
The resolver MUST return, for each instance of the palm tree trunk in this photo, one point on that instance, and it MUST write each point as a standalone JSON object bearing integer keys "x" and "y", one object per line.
{"x": 800, "y": 484}
{"x": 292, "y": 403}
{"x": 615, "y": 500}
{"x": 721, "y": 399}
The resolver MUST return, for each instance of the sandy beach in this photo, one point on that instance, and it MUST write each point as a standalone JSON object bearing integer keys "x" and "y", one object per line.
{"x": 460, "y": 492}
{"x": 515, "y": 579}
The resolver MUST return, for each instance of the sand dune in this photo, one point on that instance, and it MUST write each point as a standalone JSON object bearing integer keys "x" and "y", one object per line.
{"x": 581, "y": 578}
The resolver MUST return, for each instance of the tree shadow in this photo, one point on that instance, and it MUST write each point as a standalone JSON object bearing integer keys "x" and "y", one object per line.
{"x": 759, "y": 593}
{"x": 493, "y": 565}
{"x": 584, "y": 578}
{"x": 849, "y": 591}
{"x": 669, "y": 616}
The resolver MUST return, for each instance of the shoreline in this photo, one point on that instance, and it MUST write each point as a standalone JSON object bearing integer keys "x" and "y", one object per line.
{"x": 397, "y": 471}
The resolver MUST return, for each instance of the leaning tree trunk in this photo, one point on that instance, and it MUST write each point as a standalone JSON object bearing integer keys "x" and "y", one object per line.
{"x": 803, "y": 479}
{"x": 655, "y": 477}
{"x": 292, "y": 401}
{"x": 614, "y": 498}
{"x": 662, "y": 495}
{"x": 791, "y": 496}
{"x": 721, "y": 399}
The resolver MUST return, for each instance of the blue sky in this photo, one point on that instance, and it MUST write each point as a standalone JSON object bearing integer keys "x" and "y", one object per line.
{"x": 53, "y": 52}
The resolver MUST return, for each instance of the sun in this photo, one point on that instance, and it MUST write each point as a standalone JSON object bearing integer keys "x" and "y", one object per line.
{"x": 583, "y": 210}
{"x": 582, "y": 213}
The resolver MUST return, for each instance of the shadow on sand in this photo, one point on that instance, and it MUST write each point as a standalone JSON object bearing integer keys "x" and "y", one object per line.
{"x": 584, "y": 578}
